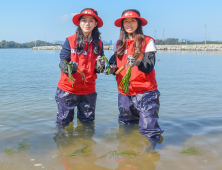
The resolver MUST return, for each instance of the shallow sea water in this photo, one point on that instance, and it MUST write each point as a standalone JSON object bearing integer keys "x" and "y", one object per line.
{"x": 190, "y": 114}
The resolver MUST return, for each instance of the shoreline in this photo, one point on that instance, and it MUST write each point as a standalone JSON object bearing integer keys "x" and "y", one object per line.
{"x": 195, "y": 47}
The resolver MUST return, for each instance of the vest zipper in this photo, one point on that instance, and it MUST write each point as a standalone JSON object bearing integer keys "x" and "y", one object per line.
{"x": 88, "y": 46}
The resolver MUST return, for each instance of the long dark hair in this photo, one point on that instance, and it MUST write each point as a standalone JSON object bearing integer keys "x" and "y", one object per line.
{"x": 80, "y": 40}
{"x": 124, "y": 36}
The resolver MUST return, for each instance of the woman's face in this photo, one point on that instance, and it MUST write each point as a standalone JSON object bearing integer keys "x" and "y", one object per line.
{"x": 130, "y": 25}
{"x": 87, "y": 23}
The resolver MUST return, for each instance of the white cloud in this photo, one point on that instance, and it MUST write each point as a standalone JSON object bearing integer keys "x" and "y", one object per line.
{"x": 73, "y": 14}
{"x": 63, "y": 18}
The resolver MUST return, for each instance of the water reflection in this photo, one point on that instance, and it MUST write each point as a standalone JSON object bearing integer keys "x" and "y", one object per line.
{"x": 126, "y": 150}
{"x": 78, "y": 141}
{"x": 151, "y": 143}
{"x": 104, "y": 152}
{"x": 154, "y": 142}
{"x": 130, "y": 139}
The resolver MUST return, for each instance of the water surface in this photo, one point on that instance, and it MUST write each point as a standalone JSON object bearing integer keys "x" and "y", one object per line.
{"x": 190, "y": 114}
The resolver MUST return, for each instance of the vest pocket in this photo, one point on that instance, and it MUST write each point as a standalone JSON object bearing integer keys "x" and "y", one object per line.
{"x": 140, "y": 78}
{"x": 138, "y": 86}
{"x": 143, "y": 78}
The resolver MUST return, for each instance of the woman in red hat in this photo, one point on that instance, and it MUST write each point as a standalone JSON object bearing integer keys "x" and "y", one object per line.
{"x": 83, "y": 51}
{"x": 141, "y": 103}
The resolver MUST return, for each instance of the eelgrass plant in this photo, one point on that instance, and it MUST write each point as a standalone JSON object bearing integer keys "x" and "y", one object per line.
{"x": 10, "y": 150}
{"x": 107, "y": 65}
{"x": 190, "y": 151}
{"x": 82, "y": 75}
{"x": 70, "y": 68}
{"x": 22, "y": 146}
{"x": 124, "y": 84}
{"x": 79, "y": 151}
{"x": 117, "y": 154}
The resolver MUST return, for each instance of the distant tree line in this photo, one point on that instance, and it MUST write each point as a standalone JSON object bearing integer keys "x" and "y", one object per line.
{"x": 169, "y": 41}
{"x": 175, "y": 41}
{"x": 12, "y": 44}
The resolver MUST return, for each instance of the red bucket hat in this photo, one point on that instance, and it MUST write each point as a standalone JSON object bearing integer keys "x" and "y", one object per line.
{"x": 130, "y": 13}
{"x": 88, "y": 11}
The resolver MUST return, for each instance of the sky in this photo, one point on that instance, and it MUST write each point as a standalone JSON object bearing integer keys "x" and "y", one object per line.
{"x": 51, "y": 20}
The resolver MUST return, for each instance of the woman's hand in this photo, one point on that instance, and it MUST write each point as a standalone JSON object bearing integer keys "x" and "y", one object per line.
{"x": 100, "y": 65}
{"x": 64, "y": 68}
{"x": 131, "y": 60}
{"x": 75, "y": 66}
{"x": 112, "y": 69}
{"x": 100, "y": 61}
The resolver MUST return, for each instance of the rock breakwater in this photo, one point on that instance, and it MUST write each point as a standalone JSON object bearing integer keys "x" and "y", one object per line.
{"x": 199, "y": 47}
{"x": 47, "y": 48}
{"x": 105, "y": 47}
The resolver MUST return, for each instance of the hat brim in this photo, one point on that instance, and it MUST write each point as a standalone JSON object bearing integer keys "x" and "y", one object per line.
{"x": 76, "y": 17}
{"x": 118, "y": 22}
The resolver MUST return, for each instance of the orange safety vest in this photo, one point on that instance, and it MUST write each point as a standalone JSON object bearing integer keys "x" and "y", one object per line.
{"x": 86, "y": 63}
{"x": 140, "y": 82}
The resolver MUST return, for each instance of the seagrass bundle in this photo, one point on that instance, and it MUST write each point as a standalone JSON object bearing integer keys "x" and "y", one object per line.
{"x": 71, "y": 78}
